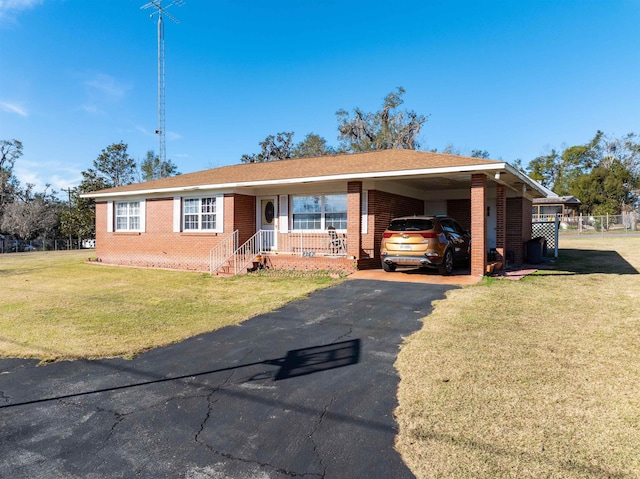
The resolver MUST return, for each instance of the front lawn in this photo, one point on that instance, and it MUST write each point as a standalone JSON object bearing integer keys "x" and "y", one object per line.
{"x": 530, "y": 379}
{"x": 54, "y": 305}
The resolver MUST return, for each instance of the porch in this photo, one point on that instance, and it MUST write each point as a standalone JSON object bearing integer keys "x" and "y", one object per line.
{"x": 267, "y": 247}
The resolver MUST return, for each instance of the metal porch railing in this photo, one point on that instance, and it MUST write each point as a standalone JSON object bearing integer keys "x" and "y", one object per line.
{"x": 308, "y": 244}
{"x": 223, "y": 252}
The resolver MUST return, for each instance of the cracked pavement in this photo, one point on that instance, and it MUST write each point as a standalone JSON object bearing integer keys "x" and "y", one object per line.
{"x": 306, "y": 391}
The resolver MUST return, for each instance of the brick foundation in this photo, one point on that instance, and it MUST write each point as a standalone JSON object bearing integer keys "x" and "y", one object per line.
{"x": 290, "y": 262}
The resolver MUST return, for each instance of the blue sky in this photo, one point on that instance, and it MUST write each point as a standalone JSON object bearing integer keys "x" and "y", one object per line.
{"x": 515, "y": 78}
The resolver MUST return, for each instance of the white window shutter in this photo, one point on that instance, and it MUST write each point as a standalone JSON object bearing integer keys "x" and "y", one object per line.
{"x": 364, "y": 207}
{"x": 219, "y": 214}
{"x": 109, "y": 216}
{"x": 284, "y": 214}
{"x": 177, "y": 214}
{"x": 143, "y": 215}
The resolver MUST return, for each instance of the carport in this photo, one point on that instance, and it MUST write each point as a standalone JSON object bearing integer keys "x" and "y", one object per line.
{"x": 494, "y": 204}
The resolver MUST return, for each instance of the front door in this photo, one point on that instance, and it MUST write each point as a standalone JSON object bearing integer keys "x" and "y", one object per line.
{"x": 267, "y": 222}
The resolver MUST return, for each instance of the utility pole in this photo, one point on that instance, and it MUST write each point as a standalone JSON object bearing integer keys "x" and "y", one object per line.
{"x": 160, "y": 11}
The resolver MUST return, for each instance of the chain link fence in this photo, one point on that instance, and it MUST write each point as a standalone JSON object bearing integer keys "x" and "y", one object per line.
{"x": 8, "y": 245}
{"x": 628, "y": 223}
{"x": 547, "y": 229}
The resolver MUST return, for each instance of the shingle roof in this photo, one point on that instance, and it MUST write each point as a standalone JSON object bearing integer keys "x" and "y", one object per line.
{"x": 324, "y": 166}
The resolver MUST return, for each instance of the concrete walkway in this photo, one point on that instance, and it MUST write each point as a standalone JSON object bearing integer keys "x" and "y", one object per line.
{"x": 305, "y": 391}
{"x": 417, "y": 275}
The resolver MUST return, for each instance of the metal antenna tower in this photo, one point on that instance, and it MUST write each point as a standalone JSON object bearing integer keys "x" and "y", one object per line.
{"x": 161, "y": 11}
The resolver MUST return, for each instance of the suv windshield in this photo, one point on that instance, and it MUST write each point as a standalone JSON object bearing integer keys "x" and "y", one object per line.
{"x": 411, "y": 224}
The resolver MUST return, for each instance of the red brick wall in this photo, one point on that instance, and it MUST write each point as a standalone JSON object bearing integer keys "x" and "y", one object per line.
{"x": 518, "y": 227}
{"x": 382, "y": 208}
{"x": 244, "y": 216}
{"x": 368, "y": 237}
{"x": 159, "y": 246}
{"x": 354, "y": 219}
{"x": 101, "y": 228}
{"x": 478, "y": 225}
{"x": 501, "y": 211}
{"x": 460, "y": 210}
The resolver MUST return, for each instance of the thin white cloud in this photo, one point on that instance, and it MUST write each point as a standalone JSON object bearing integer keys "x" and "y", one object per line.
{"x": 172, "y": 135}
{"x": 90, "y": 108}
{"x": 10, "y": 8}
{"x": 144, "y": 131}
{"x": 13, "y": 108}
{"x": 53, "y": 173}
{"x": 101, "y": 92}
{"x": 106, "y": 87}
{"x": 18, "y": 4}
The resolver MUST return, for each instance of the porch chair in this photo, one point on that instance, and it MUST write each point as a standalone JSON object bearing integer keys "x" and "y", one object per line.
{"x": 337, "y": 243}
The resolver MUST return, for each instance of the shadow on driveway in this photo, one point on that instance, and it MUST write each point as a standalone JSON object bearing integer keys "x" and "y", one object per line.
{"x": 307, "y": 390}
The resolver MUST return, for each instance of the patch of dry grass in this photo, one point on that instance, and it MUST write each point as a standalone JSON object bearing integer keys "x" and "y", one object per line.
{"x": 55, "y": 306}
{"x": 536, "y": 378}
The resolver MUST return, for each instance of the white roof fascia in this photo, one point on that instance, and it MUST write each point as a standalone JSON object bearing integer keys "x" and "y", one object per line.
{"x": 311, "y": 179}
{"x": 528, "y": 181}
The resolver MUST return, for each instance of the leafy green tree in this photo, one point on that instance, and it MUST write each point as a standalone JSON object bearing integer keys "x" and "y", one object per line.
{"x": 557, "y": 170}
{"x": 77, "y": 218}
{"x": 312, "y": 146}
{"x": 274, "y": 147}
{"x": 607, "y": 189}
{"x": 546, "y": 169}
{"x": 114, "y": 165}
{"x": 577, "y": 161}
{"x": 152, "y": 168}
{"x": 381, "y": 130}
{"x": 604, "y": 174}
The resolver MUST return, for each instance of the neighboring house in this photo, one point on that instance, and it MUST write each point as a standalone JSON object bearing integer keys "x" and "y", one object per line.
{"x": 312, "y": 213}
{"x": 549, "y": 207}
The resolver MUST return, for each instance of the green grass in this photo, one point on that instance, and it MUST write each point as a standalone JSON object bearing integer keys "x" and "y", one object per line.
{"x": 529, "y": 379}
{"x": 56, "y": 306}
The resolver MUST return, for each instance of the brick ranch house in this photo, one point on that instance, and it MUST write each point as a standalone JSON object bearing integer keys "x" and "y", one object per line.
{"x": 324, "y": 213}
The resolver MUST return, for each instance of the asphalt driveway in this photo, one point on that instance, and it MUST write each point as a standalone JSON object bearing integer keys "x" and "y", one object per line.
{"x": 305, "y": 391}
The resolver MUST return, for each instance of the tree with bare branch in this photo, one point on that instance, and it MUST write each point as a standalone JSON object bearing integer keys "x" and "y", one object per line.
{"x": 10, "y": 151}
{"x": 381, "y": 130}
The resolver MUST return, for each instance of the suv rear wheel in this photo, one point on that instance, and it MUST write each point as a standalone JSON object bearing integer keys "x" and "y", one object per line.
{"x": 447, "y": 264}
{"x": 388, "y": 267}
